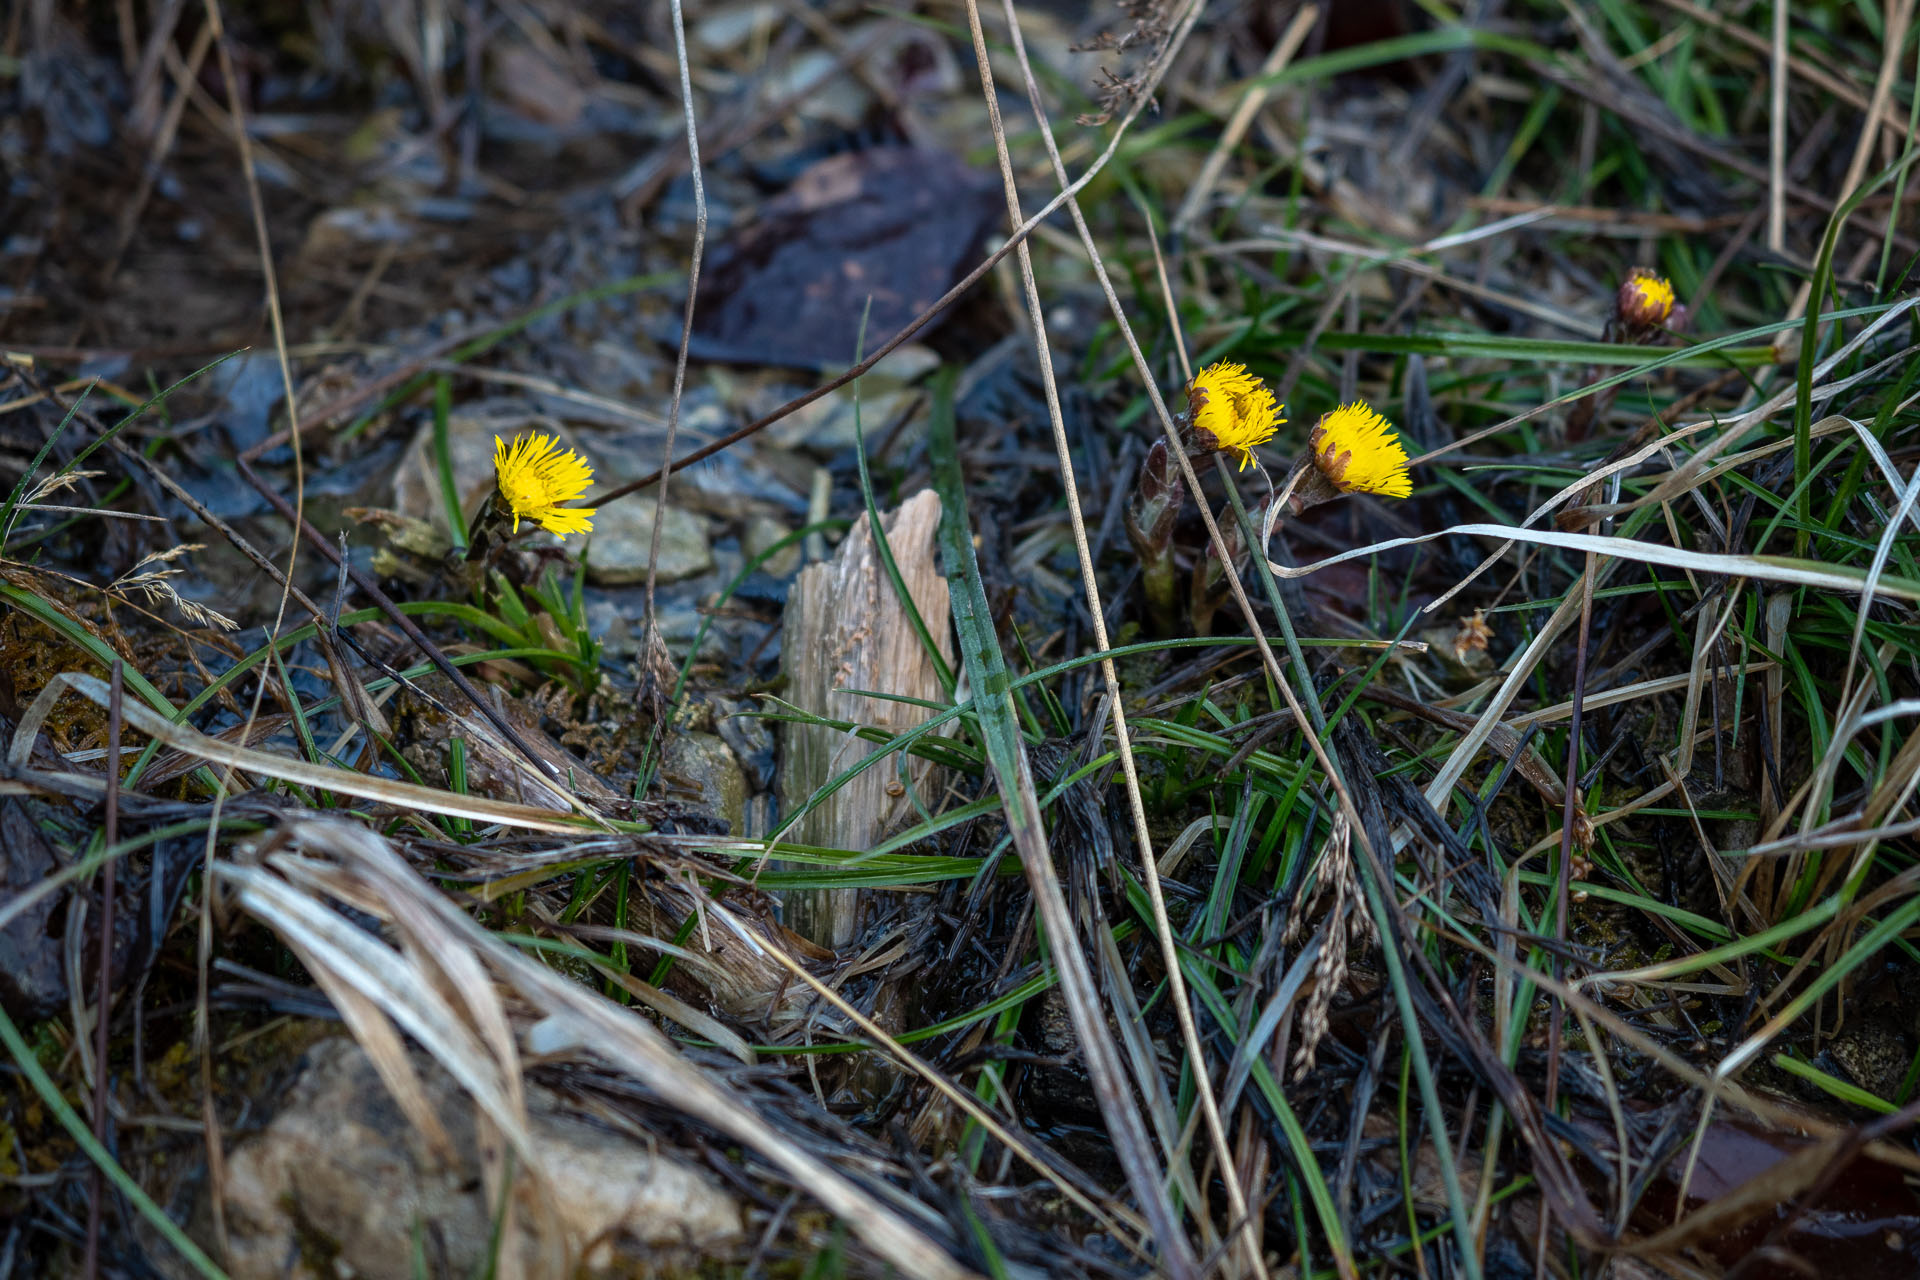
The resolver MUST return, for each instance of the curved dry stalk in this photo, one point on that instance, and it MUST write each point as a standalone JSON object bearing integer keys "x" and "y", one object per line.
{"x": 652, "y": 638}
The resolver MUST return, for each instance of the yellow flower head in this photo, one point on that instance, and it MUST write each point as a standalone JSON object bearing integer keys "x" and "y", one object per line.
{"x": 535, "y": 476}
{"x": 1356, "y": 449}
{"x": 1231, "y": 409}
{"x": 1645, "y": 300}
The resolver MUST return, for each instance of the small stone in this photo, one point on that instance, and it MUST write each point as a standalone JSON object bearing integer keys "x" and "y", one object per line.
{"x": 826, "y": 426}
{"x": 700, "y": 767}
{"x": 340, "y": 1165}
{"x": 731, "y": 26}
{"x": 811, "y": 81}
{"x": 622, "y": 539}
{"x": 902, "y": 365}
{"x": 762, "y": 532}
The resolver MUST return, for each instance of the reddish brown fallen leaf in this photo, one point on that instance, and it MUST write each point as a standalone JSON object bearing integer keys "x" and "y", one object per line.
{"x": 1863, "y": 1225}
{"x": 895, "y": 224}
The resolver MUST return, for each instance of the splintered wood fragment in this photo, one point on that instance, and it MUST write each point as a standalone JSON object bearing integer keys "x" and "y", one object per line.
{"x": 846, "y": 630}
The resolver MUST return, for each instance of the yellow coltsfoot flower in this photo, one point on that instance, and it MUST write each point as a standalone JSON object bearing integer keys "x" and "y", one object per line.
{"x": 535, "y": 476}
{"x": 1358, "y": 452}
{"x": 1230, "y": 409}
{"x": 1645, "y": 300}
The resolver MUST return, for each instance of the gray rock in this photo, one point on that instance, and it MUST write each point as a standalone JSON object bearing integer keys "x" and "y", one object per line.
{"x": 700, "y": 767}
{"x": 826, "y": 426}
{"x": 338, "y": 1183}
{"x": 762, "y": 532}
{"x": 623, "y": 535}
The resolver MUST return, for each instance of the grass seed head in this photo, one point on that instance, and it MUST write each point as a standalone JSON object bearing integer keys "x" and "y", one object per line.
{"x": 152, "y": 577}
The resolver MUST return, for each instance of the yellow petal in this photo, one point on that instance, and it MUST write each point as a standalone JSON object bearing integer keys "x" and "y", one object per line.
{"x": 1232, "y": 409}
{"x": 1358, "y": 451}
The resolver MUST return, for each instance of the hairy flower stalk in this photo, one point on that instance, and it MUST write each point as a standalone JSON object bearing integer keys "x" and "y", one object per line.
{"x": 1644, "y": 310}
{"x": 1208, "y": 590}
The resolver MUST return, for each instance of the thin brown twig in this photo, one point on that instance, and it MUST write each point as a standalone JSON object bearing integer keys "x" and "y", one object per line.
{"x": 887, "y": 348}
{"x": 1777, "y": 135}
{"x": 1570, "y": 811}
{"x": 145, "y": 94}
{"x": 1035, "y": 1155}
{"x": 236, "y": 119}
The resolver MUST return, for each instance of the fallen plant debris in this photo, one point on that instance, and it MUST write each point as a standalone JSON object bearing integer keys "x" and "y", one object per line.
{"x": 1466, "y": 829}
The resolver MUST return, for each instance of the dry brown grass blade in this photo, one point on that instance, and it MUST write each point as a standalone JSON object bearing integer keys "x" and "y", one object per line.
{"x": 1111, "y": 1217}
{"x": 1777, "y": 134}
{"x": 1254, "y": 98}
{"x": 103, "y": 969}
{"x": 1381, "y": 902}
{"x": 1889, "y": 120}
{"x": 216, "y": 1160}
{"x": 190, "y": 741}
{"x": 378, "y": 987}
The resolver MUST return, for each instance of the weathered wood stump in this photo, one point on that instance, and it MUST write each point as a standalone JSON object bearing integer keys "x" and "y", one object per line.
{"x": 846, "y": 630}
